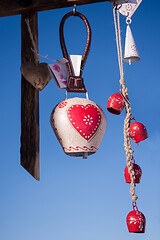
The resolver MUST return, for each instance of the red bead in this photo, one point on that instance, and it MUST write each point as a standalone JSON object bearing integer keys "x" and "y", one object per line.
{"x": 136, "y": 222}
{"x": 138, "y": 132}
{"x": 115, "y": 104}
{"x": 138, "y": 173}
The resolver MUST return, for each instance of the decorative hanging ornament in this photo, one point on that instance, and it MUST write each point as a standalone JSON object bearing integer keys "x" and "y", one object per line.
{"x": 115, "y": 103}
{"x": 127, "y": 8}
{"x": 136, "y": 221}
{"x": 37, "y": 74}
{"x": 78, "y": 123}
{"x": 138, "y": 132}
{"x": 137, "y": 173}
{"x": 130, "y": 51}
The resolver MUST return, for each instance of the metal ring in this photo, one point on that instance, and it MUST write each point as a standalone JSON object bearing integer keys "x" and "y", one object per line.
{"x": 128, "y": 20}
{"x": 133, "y": 160}
{"x": 135, "y": 206}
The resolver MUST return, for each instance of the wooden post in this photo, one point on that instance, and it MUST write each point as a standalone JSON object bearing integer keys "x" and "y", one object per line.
{"x": 29, "y": 101}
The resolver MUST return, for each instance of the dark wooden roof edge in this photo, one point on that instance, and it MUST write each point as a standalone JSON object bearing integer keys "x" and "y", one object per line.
{"x": 15, "y": 7}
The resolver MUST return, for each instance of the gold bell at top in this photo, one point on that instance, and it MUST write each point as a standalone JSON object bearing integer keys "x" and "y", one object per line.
{"x": 130, "y": 51}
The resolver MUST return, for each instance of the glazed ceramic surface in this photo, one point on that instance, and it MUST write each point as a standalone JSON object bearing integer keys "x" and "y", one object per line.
{"x": 79, "y": 125}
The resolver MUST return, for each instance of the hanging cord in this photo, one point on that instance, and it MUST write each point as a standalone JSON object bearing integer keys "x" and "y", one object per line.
{"x": 37, "y": 56}
{"x": 127, "y": 141}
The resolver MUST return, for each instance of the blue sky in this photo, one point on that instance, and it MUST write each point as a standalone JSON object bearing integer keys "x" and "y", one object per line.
{"x": 75, "y": 198}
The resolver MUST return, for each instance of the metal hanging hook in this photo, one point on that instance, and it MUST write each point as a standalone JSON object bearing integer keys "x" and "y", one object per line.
{"x": 116, "y": 5}
{"x": 135, "y": 206}
{"x": 117, "y": 8}
{"x": 74, "y": 9}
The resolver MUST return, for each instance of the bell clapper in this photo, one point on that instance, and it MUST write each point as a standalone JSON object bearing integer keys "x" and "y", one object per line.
{"x": 85, "y": 155}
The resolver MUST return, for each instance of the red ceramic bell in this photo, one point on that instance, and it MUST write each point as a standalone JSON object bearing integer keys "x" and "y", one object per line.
{"x": 136, "y": 221}
{"x": 138, "y": 173}
{"x": 138, "y": 132}
{"x": 115, "y": 104}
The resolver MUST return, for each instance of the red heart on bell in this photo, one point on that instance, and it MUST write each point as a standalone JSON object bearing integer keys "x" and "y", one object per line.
{"x": 85, "y": 119}
{"x": 138, "y": 132}
{"x": 136, "y": 221}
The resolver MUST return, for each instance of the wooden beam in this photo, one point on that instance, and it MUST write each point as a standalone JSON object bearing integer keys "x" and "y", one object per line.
{"x": 29, "y": 101}
{"x": 14, "y": 7}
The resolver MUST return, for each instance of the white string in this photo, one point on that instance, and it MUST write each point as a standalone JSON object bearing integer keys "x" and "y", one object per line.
{"x": 46, "y": 57}
{"x": 87, "y": 95}
{"x": 33, "y": 42}
{"x": 37, "y": 55}
{"x": 117, "y": 41}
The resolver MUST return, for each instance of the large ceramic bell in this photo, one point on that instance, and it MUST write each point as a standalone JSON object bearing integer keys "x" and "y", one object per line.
{"x": 79, "y": 125}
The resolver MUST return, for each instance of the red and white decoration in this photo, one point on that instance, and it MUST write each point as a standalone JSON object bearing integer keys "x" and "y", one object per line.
{"x": 137, "y": 171}
{"x": 138, "y": 132}
{"x": 59, "y": 70}
{"x": 79, "y": 125}
{"x": 115, "y": 103}
{"x": 130, "y": 52}
{"x": 136, "y": 221}
{"x": 126, "y": 7}
{"x": 59, "y": 74}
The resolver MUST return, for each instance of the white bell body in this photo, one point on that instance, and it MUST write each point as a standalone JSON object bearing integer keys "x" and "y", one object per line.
{"x": 79, "y": 124}
{"x": 130, "y": 51}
